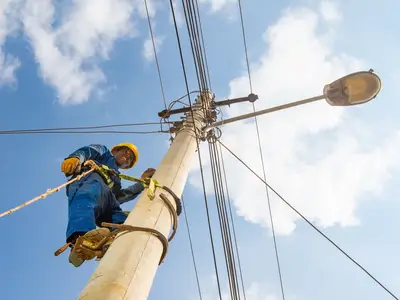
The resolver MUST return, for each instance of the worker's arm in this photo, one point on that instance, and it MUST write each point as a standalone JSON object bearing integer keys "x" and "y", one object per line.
{"x": 72, "y": 164}
{"x": 130, "y": 193}
{"x": 134, "y": 190}
{"x": 91, "y": 152}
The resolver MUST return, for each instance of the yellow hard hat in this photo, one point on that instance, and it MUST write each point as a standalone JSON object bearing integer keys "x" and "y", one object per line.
{"x": 131, "y": 147}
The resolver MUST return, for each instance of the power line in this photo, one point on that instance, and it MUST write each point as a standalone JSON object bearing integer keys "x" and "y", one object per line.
{"x": 204, "y": 46}
{"x": 193, "y": 23}
{"x": 155, "y": 53}
{"x": 312, "y": 225}
{"x": 198, "y": 147}
{"x": 79, "y": 128}
{"x": 270, "y": 210}
{"x": 191, "y": 248}
{"x": 222, "y": 204}
{"x": 261, "y": 155}
{"x": 201, "y": 87}
{"x": 192, "y": 26}
{"x": 223, "y": 221}
{"x": 82, "y": 132}
{"x": 199, "y": 57}
{"x": 157, "y": 63}
{"x": 233, "y": 223}
{"x": 223, "y": 216}
{"x": 245, "y": 45}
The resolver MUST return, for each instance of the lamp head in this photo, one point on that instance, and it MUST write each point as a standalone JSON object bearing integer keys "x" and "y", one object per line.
{"x": 353, "y": 89}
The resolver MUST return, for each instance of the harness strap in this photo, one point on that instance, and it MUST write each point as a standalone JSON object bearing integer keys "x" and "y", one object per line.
{"x": 89, "y": 250}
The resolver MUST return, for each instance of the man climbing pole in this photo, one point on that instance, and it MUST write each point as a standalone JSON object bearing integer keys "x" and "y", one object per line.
{"x": 97, "y": 197}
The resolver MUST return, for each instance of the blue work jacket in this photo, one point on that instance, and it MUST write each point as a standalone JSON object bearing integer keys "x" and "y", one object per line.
{"x": 102, "y": 156}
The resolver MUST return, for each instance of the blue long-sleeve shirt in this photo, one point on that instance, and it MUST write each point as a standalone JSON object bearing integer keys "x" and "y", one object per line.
{"x": 103, "y": 156}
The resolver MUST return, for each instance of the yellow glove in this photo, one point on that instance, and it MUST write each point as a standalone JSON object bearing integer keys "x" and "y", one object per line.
{"x": 70, "y": 166}
{"x": 148, "y": 173}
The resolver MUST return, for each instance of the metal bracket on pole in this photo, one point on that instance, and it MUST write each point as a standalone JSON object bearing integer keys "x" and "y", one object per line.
{"x": 261, "y": 112}
{"x": 166, "y": 113}
{"x": 250, "y": 98}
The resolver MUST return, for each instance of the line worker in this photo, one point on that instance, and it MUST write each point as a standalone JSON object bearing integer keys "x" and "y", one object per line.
{"x": 95, "y": 199}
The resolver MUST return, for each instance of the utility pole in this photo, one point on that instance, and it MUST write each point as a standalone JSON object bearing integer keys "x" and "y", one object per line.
{"x": 129, "y": 266}
{"x": 127, "y": 270}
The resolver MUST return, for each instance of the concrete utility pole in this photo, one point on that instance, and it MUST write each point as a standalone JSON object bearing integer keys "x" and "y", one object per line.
{"x": 127, "y": 270}
{"x": 129, "y": 266}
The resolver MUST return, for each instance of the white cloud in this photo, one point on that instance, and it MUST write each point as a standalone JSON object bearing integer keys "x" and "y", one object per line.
{"x": 68, "y": 54}
{"x": 219, "y": 5}
{"x": 255, "y": 291}
{"x": 8, "y": 66}
{"x": 148, "y": 51}
{"x": 8, "y": 24}
{"x": 322, "y": 159}
{"x": 330, "y": 11}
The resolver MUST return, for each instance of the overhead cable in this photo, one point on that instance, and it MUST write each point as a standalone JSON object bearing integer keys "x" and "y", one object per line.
{"x": 157, "y": 63}
{"x": 79, "y": 128}
{"x": 261, "y": 155}
{"x": 198, "y": 147}
{"x": 223, "y": 217}
{"x": 204, "y": 46}
{"x": 245, "y": 45}
{"x": 191, "y": 248}
{"x": 194, "y": 37}
{"x": 312, "y": 225}
{"x": 81, "y": 132}
{"x": 233, "y": 223}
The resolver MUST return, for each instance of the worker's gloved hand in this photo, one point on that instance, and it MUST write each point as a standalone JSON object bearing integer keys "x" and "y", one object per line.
{"x": 148, "y": 173}
{"x": 70, "y": 166}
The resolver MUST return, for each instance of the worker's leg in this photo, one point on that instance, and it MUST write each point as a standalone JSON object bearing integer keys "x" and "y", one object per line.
{"x": 109, "y": 210}
{"x": 83, "y": 197}
{"x": 118, "y": 216}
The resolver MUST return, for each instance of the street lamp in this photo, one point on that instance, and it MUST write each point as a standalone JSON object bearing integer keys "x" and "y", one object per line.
{"x": 352, "y": 89}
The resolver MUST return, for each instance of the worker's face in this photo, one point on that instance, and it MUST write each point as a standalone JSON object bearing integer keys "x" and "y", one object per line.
{"x": 123, "y": 157}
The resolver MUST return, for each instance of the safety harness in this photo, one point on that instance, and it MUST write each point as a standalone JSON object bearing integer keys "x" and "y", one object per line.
{"x": 89, "y": 247}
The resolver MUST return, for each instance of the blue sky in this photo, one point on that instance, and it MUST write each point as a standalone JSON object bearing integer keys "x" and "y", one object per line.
{"x": 78, "y": 64}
